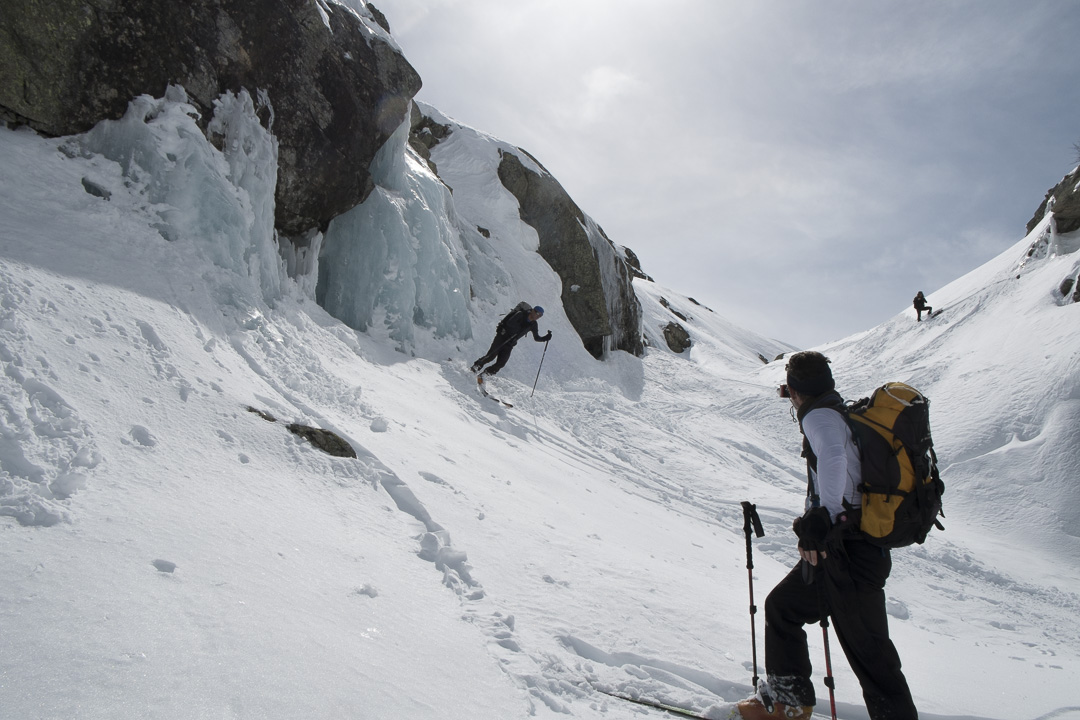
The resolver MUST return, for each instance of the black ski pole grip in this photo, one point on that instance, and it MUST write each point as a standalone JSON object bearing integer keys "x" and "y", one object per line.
{"x": 750, "y": 517}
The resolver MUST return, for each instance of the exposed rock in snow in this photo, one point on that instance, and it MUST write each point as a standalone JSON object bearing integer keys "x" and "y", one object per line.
{"x": 336, "y": 85}
{"x": 1064, "y": 200}
{"x": 597, "y": 294}
{"x": 676, "y": 337}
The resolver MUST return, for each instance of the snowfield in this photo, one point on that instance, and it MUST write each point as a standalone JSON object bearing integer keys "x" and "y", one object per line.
{"x": 167, "y": 552}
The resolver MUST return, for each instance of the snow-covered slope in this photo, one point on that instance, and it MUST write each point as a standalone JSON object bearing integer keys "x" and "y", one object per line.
{"x": 1001, "y": 366}
{"x": 168, "y": 554}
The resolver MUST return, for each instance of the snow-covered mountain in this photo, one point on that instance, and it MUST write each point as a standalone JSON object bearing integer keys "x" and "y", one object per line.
{"x": 169, "y": 553}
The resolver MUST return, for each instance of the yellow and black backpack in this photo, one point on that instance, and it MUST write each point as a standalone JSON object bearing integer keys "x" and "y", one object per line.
{"x": 901, "y": 486}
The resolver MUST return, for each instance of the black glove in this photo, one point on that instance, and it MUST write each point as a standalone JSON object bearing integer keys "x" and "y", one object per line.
{"x": 813, "y": 529}
{"x": 546, "y": 337}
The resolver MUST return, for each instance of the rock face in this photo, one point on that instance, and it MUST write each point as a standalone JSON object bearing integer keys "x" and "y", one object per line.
{"x": 1066, "y": 205}
{"x": 424, "y": 134}
{"x": 596, "y": 291}
{"x": 333, "y": 87}
{"x": 677, "y": 338}
{"x": 634, "y": 265}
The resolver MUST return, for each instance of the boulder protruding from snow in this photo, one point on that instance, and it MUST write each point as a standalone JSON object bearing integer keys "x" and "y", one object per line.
{"x": 596, "y": 281}
{"x": 677, "y": 338}
{"x": 326, "y": 440}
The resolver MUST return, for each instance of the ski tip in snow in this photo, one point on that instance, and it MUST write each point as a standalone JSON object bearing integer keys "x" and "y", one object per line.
{"x": 484, "y": 392}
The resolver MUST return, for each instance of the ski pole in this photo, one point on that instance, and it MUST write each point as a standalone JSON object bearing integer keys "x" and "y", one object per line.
{"x": 823, "y": 610}
{"x": 751, "y": 520}
{"x": 538, "y": 369}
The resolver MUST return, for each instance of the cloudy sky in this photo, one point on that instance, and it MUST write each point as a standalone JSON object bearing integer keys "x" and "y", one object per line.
{"x": 800, "y": 167}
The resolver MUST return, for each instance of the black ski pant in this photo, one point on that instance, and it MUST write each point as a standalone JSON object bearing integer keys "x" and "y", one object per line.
{"x": 499, "y": 352}
{"x": 851, "y": 584}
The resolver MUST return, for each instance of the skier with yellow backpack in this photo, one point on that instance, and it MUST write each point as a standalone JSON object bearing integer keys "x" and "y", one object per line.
{"x": 873, "y": 485}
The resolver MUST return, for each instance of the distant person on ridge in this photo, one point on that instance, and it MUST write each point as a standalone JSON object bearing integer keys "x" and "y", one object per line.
{"x": 519, "y": 321}
{"x": 839, "y": 573}
{"x": 921, "y": 307}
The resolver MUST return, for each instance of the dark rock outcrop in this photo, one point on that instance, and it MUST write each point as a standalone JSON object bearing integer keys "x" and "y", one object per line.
{"x": 676, "y": 337}
{"x": 262, "y": 413}
{"x": 634, "y": 264}
{"x": 327, "y": 441}
{"x": 424, "y": 134}
{"x": 1066, "y": 205}
{"x": 596, "y": 282}
{"x": 335, "y": 93}
{"x": 673, "y": 311}
{"x": 1069, "y": 289}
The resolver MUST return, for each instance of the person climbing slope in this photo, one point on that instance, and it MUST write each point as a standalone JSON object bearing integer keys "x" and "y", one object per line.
{"x": 517, "y": 323}
{"x": 920, "y": 306}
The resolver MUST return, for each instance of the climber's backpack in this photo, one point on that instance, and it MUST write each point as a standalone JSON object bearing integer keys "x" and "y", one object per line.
{"x": 901, "y": 487}
{"x": 521, "y": 307}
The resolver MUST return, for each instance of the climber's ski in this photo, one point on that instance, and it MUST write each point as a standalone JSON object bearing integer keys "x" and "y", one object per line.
{"x": 484, "y": 392}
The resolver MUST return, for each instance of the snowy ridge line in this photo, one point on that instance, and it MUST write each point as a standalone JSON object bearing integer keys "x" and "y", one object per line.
{"x": 1059, "y": 713}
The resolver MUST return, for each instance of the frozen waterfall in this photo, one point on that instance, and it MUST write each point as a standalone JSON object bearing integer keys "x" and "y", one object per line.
{"x": 397, "y": 259}
{"x": 220, "y": 201}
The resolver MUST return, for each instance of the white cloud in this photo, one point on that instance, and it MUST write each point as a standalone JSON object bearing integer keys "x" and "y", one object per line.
{"x": 603, "y": 86}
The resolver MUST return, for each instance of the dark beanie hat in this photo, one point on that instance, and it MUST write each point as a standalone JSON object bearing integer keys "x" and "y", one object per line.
{"x": 819, "y": 380}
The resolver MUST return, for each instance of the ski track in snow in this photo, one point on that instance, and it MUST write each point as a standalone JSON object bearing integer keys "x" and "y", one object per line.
{"x": 593, "y": 433}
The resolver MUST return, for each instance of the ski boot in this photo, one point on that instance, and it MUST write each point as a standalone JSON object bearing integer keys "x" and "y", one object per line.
{"x": 762, "y": 707}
